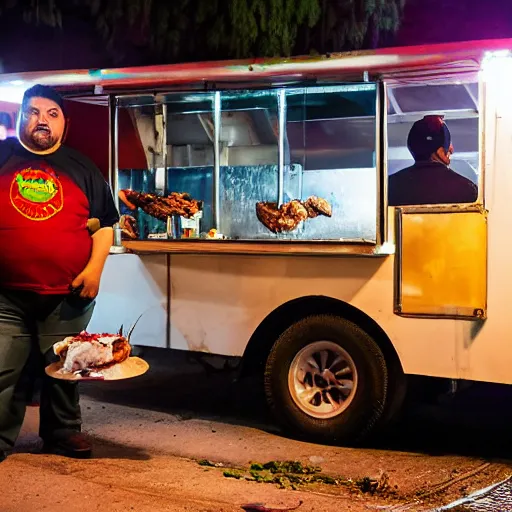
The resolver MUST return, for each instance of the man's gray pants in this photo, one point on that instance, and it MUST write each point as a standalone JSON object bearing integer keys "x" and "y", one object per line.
{"x": 29, "y": 326}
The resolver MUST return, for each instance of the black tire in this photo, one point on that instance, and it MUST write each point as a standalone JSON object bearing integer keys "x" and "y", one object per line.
{"x": 395, "y": 400}
{"x": 352, "y": 425}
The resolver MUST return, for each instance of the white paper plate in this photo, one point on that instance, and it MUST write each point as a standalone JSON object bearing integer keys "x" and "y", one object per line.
{"x": 129, "y": 368}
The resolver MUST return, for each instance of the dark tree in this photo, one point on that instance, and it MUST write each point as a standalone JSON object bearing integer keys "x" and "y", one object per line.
{"x": 192, "y": 29}
{"x": 163, "y": 31}
{"x": 354, "y": 24}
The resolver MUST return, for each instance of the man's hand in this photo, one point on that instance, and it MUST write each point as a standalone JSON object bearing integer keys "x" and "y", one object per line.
{"x": 90, "y": 276}
{"x": 90, "y": 279}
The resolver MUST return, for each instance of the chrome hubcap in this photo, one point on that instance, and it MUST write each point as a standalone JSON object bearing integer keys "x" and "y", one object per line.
{"x": 322, "y": 379}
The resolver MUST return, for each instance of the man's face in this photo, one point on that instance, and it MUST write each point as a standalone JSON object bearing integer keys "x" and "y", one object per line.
{"x": 42, "y": 124}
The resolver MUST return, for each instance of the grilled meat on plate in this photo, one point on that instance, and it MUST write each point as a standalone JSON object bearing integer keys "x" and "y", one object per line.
{"x": 92, "y": 352}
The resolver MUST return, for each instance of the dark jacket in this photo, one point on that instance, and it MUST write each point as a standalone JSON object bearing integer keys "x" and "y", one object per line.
{"x": 429, "y": 183}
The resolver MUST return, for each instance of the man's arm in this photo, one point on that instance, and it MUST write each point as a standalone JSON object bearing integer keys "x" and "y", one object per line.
{"x": 103, "y": 216}
{"x": 102, "y": 240}
{"x": 91, "y": 275}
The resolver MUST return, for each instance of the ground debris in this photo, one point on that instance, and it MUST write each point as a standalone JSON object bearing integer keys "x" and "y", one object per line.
{"x": 233, "y": 473}
{"x": 287, "y": 474}
{"x": 287, "y": 466}
{"x": 259, "y": 507}
{"x": 210, "y": 464}
{"x": 294, "y": 474}
{"x": 379, "y": 485}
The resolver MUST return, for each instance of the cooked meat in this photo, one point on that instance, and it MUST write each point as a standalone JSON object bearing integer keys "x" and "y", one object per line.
{"x": 161, "y": 207}
{"x": 285, "y": 218}
{"x": 128, "y": 226}
{"x": 92, "y": 351}
{"x": 289, "y": 215}
{"x": 121, "y": 350}
{"x": 317, "y": 206}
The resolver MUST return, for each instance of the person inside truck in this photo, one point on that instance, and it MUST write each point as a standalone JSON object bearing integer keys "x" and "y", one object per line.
{"x": 430, "y": 180}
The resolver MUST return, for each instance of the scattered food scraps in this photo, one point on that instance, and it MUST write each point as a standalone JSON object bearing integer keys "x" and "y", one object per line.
{"x": 232, "y": 473}
{"x": 293, "y": 474}
{"x": 210, "y": 464}
{"x": 258, "y": 507}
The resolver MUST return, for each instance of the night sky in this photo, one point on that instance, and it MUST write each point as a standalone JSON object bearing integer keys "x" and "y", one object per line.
{"x": 441, "y": 21}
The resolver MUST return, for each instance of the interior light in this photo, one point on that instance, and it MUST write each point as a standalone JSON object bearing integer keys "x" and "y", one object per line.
{"x": 496, "y": 73}
{"x": 12, "y": 93}
{"x": 496, "y": 65}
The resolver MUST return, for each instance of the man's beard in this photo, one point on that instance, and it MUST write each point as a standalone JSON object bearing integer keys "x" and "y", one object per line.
{"x": 42, "y": 139}
{"x": 39, "y": 139}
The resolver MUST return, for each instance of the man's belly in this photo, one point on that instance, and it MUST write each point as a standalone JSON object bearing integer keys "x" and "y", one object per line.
{"x": 42, "y": 262}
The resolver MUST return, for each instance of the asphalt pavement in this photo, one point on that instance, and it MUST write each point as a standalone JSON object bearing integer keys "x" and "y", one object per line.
{"x": 183, "y": 437}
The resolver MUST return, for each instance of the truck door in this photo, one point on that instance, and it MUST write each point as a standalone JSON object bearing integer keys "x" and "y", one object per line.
{"x": 441, "y": 262}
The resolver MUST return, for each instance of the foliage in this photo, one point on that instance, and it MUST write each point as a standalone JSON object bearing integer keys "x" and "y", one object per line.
{"x": 186, "y": 30}
{"x": 293, "y": 474}
{"x": 269, "y": 27}
{"x": 230, "y": 28}
{"x": 355, "y": 24}
{"x": 38, "y": 12}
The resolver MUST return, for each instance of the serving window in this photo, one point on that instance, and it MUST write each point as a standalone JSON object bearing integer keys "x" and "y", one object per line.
{"x": 458, "y": 105}
{"x": 440, "y": 222}
{"x": 285, "y": 165}
{"x": 330, "y": 142}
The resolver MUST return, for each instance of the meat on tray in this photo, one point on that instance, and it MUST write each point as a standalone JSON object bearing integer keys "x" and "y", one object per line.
{"x": 128, "y": 226}
{"x": 161, "y": 207}
{"x": 317, "y": 206}
{"x": 289, "y": 215}
{"x": 285, "y": 218}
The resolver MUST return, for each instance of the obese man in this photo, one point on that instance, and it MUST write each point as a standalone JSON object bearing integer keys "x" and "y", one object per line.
{"x": 51, "y": 261}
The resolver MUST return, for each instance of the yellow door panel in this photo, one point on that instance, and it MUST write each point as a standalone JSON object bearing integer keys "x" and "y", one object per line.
{"x": 441, "y": 264}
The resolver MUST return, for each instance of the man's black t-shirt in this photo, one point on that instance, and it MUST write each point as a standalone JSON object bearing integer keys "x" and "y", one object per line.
{"x": 46, "y": 202}
{"x": 429, "y": 183}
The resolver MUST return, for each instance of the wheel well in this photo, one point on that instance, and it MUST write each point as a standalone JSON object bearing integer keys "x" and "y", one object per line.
{"x": 281, "y": 318}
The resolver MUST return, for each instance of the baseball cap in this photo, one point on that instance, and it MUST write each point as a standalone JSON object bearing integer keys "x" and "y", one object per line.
{"x": 428, "y": 135}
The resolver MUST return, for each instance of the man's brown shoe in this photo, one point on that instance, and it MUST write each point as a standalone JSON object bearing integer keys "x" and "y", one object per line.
{"x": 68, "y": 444}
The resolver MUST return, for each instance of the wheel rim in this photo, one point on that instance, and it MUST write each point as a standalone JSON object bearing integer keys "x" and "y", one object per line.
{"x": 322, "y": 379}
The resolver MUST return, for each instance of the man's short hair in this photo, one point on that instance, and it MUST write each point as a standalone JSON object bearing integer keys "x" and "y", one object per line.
{"x": 428, "y": 135}
{"x": 42, "y": 91}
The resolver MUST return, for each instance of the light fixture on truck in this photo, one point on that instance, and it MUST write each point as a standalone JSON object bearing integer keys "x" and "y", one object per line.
{"x": 12, "y": 92}
{"x": 496, "y": 72}
{"x": 496, "y": 65}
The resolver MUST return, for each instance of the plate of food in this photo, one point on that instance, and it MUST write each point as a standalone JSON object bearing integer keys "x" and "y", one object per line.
{"x": 89, "y": 356}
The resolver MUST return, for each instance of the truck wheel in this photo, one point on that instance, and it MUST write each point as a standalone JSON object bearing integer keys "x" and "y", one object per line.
{"x": 395, "y": 399}
{"x": 326, "y": 380}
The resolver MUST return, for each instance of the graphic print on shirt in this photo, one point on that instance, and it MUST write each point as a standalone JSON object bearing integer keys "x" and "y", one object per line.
{"x": 36, "y": 192}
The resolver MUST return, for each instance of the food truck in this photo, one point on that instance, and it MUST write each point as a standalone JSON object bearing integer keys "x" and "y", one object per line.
{"x": 255, "y": 221}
